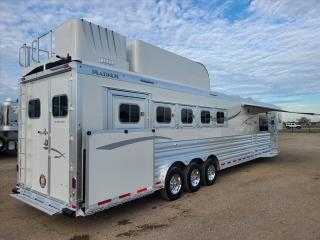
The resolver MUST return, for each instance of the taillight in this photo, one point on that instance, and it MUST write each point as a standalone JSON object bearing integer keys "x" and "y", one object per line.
{"x": 74, "y": 183}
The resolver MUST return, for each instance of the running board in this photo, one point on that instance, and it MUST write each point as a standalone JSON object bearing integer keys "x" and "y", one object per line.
{"x": 273, "y": 152}
{"x": 37, "y": 201}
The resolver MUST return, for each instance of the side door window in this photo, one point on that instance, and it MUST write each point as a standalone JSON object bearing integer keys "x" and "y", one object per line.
{"x": 128, "y": 112}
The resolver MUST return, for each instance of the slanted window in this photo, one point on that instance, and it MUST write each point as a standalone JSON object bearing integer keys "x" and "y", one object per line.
{"x": 34, "y": 108}
{"x": 220, "y": 117}
{"x": 60, "y": 106}
{"x": 186, "y": 115}
{"x": 205, "y": 117}
{"x": 129, "y": 113}
{"x": 163, "y": 114}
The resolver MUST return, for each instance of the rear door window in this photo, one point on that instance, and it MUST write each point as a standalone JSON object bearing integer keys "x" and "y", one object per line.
{"x": 60, "y": 106}
{"x": 34, "y": 108}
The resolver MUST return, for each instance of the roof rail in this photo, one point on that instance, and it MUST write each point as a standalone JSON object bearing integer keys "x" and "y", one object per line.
{"x": 32, "y": 53}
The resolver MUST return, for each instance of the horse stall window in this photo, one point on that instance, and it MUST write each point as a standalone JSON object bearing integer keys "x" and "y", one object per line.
{"x": 220, "y": 117}
{"x": 60, "y": 106}
{"x": 163, "y": 114}
{"x": 129, "y": 113}
{"x": 186, "y": 115}
{"x": 34, "y": 108}
{"x": 205, "y": 117}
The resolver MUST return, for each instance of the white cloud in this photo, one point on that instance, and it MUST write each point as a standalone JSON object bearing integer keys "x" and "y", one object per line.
{"x": 273, "y": 51}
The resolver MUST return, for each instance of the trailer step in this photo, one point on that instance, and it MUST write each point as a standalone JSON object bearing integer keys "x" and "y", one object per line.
{"x": 35, "y": 200}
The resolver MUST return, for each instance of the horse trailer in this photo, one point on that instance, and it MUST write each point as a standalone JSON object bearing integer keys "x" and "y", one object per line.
{"x": 8, "y": 126}
{"x": 103, "y": 121}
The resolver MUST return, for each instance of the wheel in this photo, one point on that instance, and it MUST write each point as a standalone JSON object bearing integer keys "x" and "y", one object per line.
{"x": 192, "y": 177}
{"x": 298, "y": 127}
{"x": 208, "y": 172}
{"x": 173, "y": 184}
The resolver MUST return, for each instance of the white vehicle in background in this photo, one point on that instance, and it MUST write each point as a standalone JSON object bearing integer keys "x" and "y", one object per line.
{"x": 8, "y": 126}
{"x": 103, "y": 122}
{"x": 292, "y": 125}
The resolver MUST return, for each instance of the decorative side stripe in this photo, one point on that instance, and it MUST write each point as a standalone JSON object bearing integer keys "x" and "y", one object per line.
{"x": 142, "y": 190}
{"x": 125, "y": 195}
{"x": 229, "y": 118}
{"x": 104, "y": 202}
{"x": 130, "y": 141}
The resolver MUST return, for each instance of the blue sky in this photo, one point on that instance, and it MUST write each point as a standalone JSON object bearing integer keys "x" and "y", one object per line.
{"x": 266, "y": 50}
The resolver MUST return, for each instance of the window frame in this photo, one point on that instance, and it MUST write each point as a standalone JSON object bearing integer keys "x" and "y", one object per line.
{"x": 34, "y": 99}
{"x": 60, "y": 95}
{"x": 188, "y": 108}
{"x": 156, "y": 114}
{"x": 126, "y": 103}
{"x": 200, "y": 117}
{"x": 224, "y": 118}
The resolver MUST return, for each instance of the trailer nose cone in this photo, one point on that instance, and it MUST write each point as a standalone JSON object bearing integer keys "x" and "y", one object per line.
{"x": 42, "y": 181}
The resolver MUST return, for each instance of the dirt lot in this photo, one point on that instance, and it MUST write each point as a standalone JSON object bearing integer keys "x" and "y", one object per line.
{"x": 277, "y": 198}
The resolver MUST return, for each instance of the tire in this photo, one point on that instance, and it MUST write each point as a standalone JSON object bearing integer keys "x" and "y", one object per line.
{"x": 171, "y": 192}
{"x": 192, "y": 177}
{"x": 208, "y": 177}
{"x": 298, "y": 127}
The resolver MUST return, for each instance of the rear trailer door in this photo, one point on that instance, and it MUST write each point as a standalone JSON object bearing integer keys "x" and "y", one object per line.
{"x": 47, "y": 136}
{"x": 60, "y": 102}
{"x": 37, "y": 136}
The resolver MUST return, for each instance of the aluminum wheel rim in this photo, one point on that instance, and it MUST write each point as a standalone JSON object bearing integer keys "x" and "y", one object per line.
{"x": 211, "y": 172}
{"x": 195, "y": 177}
{"x": 175, "y": 184}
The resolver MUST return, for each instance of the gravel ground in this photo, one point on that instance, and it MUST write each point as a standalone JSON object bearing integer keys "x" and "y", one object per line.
{"x": 269, "y": 198}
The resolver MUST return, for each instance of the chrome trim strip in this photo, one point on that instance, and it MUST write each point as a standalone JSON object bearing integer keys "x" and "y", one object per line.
{"x": 129, "y": 141}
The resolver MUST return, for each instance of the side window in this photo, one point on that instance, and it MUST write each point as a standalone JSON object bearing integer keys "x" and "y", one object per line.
{"x": 163, "y": 114}
{"x": 205, "y": 117}
{"x": 263, "y": 122}
{"x": 186, "y": 115}
{"x": 60, "y": 106}
{"x": 34, "y": 108}
{"x": 220, "y": 117}
{"x": 129, "y": 113}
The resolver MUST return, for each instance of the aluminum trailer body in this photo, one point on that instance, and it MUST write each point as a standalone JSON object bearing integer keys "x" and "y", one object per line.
{"x": 93, "y": 136}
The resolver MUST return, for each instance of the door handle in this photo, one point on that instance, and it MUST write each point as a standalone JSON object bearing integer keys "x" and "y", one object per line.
{"x": 45, "y": 132}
